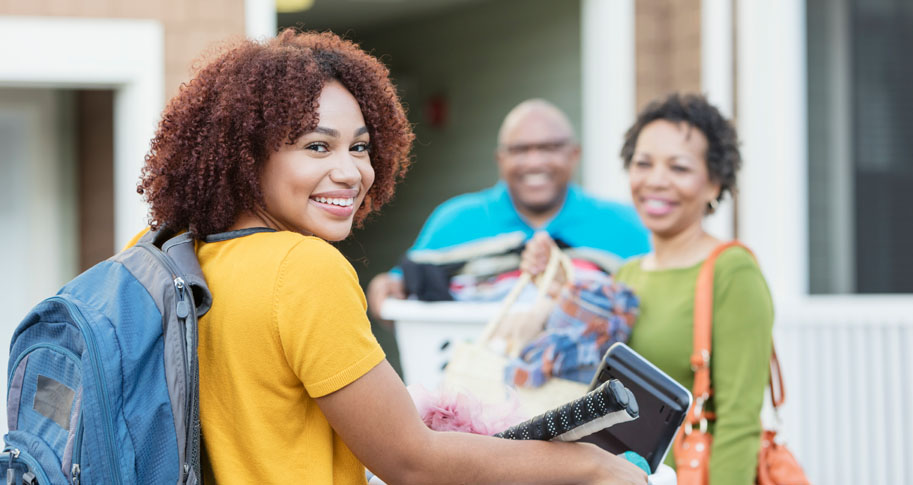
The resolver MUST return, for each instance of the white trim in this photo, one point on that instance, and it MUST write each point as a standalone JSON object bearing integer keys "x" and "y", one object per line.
{"x": 260, "y": 19}
{"x": 609, "y": 81}
{"x": 717, "y": 83}
{"x": 716, "y": 54}
{"x": 125, "y": 55}
{"x": 864, "y": 310}
{"x": 773, "y": 125}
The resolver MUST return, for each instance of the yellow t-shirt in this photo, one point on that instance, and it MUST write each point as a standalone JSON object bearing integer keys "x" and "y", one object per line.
{"x": 287, "y": 324}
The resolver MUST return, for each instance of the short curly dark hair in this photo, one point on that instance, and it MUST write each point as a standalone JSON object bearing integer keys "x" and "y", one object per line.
{"x": 723, "y": 157}
{"x": 203, "y": 169}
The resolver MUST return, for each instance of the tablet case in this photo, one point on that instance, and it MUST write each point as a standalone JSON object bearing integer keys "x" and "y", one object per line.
{"x": 663, "y": 404}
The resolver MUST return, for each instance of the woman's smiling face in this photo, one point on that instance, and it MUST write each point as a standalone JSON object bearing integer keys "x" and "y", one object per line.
{"x": 316, "y": 185}
{"x": 670, "y": 184}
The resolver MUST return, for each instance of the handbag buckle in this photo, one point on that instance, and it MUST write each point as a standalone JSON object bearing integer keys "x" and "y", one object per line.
{"x": 703, "y": 362}
{"x": 699, "y": 405}
{"x": 702, "y": 426}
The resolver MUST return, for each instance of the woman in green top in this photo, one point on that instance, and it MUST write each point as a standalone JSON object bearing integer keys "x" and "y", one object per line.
{"x": 682, "y": 156}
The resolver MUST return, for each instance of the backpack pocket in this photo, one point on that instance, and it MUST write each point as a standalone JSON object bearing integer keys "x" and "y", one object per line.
{"x": 44, "y": 397}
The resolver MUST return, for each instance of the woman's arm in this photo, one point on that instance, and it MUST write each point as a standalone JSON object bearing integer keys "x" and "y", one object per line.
{"x": 376, "y": 418}
{"x": 743, "y": 319}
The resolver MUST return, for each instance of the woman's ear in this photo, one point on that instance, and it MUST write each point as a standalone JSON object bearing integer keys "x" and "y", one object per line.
{"x": 715, "y": 190}
{"x": 716, "y": 193}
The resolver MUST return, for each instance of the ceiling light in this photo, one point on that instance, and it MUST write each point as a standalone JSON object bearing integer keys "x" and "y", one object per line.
{"x": 291, "y": 6}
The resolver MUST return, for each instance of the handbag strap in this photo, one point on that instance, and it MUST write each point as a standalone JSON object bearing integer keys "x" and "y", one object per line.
{"x": 703, "y": 330}
{"x": 779, "y": 396}
{"x": 703, "y": 326}
{"x": 556, "y": 260}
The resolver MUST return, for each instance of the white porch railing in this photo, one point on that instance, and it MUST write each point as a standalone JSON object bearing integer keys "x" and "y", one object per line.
{"x": 848, "y": 367}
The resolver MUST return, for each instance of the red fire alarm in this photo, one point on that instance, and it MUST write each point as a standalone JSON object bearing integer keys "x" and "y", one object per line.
{"x": 436, "y": 110}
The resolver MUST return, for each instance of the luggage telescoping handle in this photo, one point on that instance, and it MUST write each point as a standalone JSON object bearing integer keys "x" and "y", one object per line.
{"x": 556, "y": 259}
{"x": 609, "y": 404}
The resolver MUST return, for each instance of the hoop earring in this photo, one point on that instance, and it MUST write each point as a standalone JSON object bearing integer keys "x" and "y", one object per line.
{"x": 714, "y": 205}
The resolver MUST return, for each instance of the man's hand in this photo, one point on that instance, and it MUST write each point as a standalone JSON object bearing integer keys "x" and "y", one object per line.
{"x": 380, "y": 288}
{"x": 535, "y": 257}
{"x": 536, "y": 253}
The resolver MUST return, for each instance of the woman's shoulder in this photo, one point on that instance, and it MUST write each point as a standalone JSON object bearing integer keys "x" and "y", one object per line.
{"x": 315, "y": 251}
{"x": 630, "y": 267}
{"x": 736, "y": 258}
{"x": 296, "y": 250}
{"x": 737, "y": 265}
{"x": 311, "y": 262}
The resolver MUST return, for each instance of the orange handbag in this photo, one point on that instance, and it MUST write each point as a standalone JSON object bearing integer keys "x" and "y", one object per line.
{"x": 776, "y": 465}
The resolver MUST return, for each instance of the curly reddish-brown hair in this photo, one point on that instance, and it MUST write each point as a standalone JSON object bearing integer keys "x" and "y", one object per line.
{"x": 203, "y": 170}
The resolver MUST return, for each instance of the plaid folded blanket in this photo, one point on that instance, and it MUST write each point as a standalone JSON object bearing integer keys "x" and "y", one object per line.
{"x": 589, "y": 317}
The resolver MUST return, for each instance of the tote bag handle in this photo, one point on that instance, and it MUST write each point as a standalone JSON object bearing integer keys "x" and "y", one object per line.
{"x": 556, "y": 260}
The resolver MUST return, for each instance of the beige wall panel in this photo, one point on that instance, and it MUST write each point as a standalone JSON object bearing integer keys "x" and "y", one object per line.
{"x": 61, "y": 7}
{"x": 23, "y": 7}
{"x": 668, "y": 47}
{"x": 141, "y": 10}
{"x": 178, "y": 12}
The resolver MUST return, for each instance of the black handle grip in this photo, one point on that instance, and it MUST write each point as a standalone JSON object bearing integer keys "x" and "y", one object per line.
{"x": 608, "y": 404}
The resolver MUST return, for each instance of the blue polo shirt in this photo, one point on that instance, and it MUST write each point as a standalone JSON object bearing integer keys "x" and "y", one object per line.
{"x": 609, "y": 229}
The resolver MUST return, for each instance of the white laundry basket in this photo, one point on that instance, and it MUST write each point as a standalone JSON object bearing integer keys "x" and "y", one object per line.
{"x": 427, "y": 331}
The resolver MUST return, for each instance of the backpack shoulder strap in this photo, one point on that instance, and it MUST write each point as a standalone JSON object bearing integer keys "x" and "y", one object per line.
{"x": 180, "y": 248}
{"x": 182, "y": 251}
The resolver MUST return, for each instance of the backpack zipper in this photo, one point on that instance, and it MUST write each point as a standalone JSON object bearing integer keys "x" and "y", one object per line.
{"x": 183, "y": 313}
{"x": 32, "y": 463}
{"x": 89, "y": 337}
{"x": 76, "y": 469}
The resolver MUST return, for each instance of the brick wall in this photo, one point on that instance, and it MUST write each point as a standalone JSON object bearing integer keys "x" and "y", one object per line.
{"x": 190, "y": 25}
{"x": 668, "y": 47}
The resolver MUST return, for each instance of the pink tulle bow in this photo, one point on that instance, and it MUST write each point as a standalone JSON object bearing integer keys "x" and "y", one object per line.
{"x": 446, "y": 410}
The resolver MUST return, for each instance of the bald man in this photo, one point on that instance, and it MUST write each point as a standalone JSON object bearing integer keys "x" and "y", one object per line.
{"x": 469, "y": 247}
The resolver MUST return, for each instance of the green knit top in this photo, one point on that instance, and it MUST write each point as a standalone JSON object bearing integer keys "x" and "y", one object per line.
{"x": 742, "y": 326}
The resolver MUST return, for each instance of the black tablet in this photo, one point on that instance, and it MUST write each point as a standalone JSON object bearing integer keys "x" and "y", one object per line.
{"x": 663, "y": 405}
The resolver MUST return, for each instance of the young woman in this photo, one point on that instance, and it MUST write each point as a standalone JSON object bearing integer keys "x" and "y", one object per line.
{"x": 271, "y": 151}
{"x": 682, "y": 157}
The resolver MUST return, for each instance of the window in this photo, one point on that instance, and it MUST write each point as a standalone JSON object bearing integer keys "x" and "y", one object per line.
{"x": 860, "y": 118}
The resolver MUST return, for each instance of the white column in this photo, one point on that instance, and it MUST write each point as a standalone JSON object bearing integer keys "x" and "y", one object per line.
{"x": 773, "y": 125}
{"x": 138, "y": 102}
{"x": 137, "y": 110}
{"x": 260, "y": 19}
{"x": 609, "y": 83}
{"x": 717, "y": 83}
